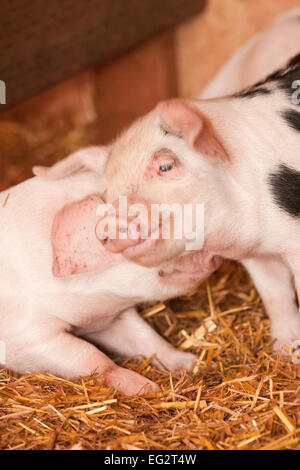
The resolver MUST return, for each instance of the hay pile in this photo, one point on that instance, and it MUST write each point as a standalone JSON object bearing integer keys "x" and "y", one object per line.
{"x": 239, "y": 397}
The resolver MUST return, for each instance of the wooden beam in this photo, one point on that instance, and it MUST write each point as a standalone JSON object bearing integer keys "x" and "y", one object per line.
{"x": 44, "y": 42}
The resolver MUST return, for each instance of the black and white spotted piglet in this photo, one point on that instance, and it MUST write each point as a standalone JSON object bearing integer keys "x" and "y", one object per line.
{"x": 240, "y": 157}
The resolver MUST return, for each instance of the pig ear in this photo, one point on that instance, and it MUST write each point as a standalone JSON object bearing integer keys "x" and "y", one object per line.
{"x": 75, "y": 247}
{"x": 182, "y": 119}
{"x": 90, "y": 158}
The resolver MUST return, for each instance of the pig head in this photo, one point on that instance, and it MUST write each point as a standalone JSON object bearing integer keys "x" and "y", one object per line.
{"x": 174, "y": 155}
{"x": 191, "y": 151}
{"x": 238, "y": 157}
{"x": 77, "y": 241}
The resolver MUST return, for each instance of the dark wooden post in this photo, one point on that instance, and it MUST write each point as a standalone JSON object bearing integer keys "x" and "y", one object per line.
{"x": 43, "y": 42}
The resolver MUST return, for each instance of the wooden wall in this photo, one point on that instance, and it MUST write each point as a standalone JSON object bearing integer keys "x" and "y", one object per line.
{"x": 94, "y": 105}
{"x": 43, "y": 42}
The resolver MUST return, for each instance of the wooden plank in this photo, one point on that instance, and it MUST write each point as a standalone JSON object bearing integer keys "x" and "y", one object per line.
{"x": 133, "y": 84}
{"x": 43, "y": 42}
{"x": 87, "y": 109}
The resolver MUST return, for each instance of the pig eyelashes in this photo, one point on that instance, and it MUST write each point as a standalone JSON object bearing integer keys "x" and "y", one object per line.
{"x": 165, "y": 131}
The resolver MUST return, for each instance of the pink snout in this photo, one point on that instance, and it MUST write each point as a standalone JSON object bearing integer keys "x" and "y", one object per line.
{"x": 127, "y": 229}
{"x": 112, "y": 232}
{"x": 195, "y": 266}
{"x": 132, "y": 233}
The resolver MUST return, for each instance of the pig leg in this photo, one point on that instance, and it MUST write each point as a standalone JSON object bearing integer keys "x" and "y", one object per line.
{"x": 69, "y": 356}
{"x": 129, "y": 335}
{"x": 274, "y": 283}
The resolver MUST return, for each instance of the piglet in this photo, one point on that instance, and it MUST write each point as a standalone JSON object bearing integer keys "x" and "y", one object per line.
{"x": 238, "y": 157}
{"x": 63, "y": 295}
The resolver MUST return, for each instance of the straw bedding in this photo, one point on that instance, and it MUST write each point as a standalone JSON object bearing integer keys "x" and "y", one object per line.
{"x": 240, "y": 396}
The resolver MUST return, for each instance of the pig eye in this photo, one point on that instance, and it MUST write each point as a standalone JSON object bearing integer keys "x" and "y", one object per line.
{"x": 166, "y": 166}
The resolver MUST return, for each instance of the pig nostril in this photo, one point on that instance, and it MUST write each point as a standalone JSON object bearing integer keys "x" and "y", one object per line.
{"x": 102, "y": 237}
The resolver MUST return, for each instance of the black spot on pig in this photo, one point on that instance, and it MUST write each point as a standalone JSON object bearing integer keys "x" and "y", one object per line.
{"x": 251, "y": 92}
{"x": 294, "y": 61}
{"x": 292, "y": 117}
{"x": 284, "y": 77}
{"x": 281, "y": 79}
{"x": 285, "y": 188}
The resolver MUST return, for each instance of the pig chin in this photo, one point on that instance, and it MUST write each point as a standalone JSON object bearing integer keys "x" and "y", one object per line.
{"x": 191, "y": 268}
{"x": 152, "y": 253}
{"x": 181, "y": 278}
